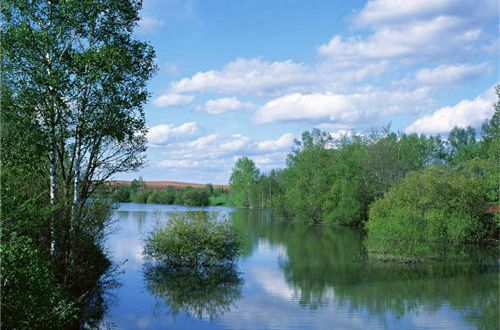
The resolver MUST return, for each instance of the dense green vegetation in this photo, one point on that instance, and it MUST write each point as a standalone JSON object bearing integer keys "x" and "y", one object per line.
{"x": 335, "y": 181}
{"x": 194, "y": 240}
{"x": 137, "y": 192}
{"x": 400, "y": 187}
{"x": 437, "y": 205}
{"x": 73, "y": 87}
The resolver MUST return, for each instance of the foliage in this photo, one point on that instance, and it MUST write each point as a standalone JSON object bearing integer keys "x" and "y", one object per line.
{"x": 308, "y": 183}
{"x": 73, "y": 89}
{"x": 31, "y": 296}
{"x": 193, "y": 240}
{"x": 334, "y": 181}
{"x": 244, "y": 174}
{"x": 221, "y": 200}
{"x": 436, "y": 205}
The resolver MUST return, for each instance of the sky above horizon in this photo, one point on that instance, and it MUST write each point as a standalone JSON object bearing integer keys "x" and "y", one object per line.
{"x": 244, "y": 78}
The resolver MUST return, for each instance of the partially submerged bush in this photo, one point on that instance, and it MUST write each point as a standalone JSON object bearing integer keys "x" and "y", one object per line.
{"x": 194, "y": 240}
{"x": 437, "y": 205}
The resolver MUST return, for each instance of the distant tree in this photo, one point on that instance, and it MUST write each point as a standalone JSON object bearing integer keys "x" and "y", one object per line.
{"x": 210, "y": 189}
{"x": 309, "y": 139}
{"x": 245, "y": 174}
{"x": 137, "y": 184}
{"x": 462, "y": 144}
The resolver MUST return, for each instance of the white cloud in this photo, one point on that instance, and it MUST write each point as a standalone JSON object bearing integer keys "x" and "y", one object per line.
{"x": 202, "y": 142}
{"x": 377, "y": 12}
{"x": 282, "y": 143}
{"x": 237, "y": 142}
{"x": 149, "y": 24}
{"x": 341, "y": 133}
{"x": 167, "y": 134}
{"x": 170, "y": 100}
{"x": 244, "y": 76}
{"x": 211, "y": 156}
{"x": 224, "y": 104}
{"x": 437, "y": 38}
{"x": 179, "y": 163}
{"x": 465, "y": 113}
{"x": 343, "y": 109}
{"x": 453, "y": 73}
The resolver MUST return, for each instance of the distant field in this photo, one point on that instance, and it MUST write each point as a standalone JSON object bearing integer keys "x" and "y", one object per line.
{"x": 157, "y": 185}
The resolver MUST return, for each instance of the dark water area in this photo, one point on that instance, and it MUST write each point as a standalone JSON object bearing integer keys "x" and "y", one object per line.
{"x": 293, "y": 276}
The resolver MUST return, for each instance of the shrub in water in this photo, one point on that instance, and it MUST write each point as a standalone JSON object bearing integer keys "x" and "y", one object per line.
{"x": 437, "y": 205}
{"x": 194, "y": 240}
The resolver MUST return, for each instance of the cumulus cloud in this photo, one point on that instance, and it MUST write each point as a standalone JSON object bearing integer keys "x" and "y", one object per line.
{"x": 437, "y": 32}
{"x": 223, "y": 105}
{"x": 149, "y": 24}
{"x": 237, "y": 142}
{"x": 377, "y": 12}
{"x": 471, "y": 112}
{"x": 436, "y": 38}
{"x": 166, "y": 134}
{"x": 244, "y": 76}
{"x": 282, "y": 143}
{"x": 202, "y": 142}
{"x": 343, "y": 109}
{"x": 215, "y": 155}
{"x": 171, "y": 100}
{"x": 453, "y": 73}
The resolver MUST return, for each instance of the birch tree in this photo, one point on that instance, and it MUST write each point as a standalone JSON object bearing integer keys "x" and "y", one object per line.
{"x": 77, "y": 70}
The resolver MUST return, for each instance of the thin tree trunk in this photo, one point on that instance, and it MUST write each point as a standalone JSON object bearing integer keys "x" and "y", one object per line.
{"x": 53, "y": 191}
{"x": 76, "y": 187}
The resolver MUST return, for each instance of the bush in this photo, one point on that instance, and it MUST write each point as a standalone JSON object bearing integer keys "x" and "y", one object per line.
{"x": 121, "y": 194}
{"x": 140, "y": 196}
{"x": 31, "y": 297}
{"x": 194, "y": 240}
{"x": 436, "y": 205}
{"x": 221, "y": 200}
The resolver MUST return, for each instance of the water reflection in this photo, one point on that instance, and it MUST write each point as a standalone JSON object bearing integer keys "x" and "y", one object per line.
{"x": 300, "y": 277}
{"x": 330, "y": 266}
{"x": 206, "y": 293}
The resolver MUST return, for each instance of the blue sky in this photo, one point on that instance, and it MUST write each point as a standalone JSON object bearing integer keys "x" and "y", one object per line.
{"x": 244, "y": 78}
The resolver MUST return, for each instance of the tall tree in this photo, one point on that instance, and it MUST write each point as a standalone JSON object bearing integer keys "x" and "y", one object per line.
{"x": 75, "y": 69}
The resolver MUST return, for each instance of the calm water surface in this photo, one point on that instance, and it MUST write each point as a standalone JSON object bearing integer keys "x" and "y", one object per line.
{"x": 296, "y": 277}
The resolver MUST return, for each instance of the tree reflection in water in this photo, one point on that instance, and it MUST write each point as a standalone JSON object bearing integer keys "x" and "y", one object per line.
{"x": 327, "y": 265}
{"x": 202, "y": 293}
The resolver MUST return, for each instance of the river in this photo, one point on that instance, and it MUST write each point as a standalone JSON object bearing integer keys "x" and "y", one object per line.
{"x": 294, "y": 276}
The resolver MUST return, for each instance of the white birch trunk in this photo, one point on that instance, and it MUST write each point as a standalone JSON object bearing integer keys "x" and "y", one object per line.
{"x": 53, "y": 191}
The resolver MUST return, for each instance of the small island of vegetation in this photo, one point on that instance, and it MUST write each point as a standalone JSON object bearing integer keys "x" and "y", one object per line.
{"x": 193, "y": 240}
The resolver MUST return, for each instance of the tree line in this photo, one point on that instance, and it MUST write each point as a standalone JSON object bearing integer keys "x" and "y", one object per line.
{"x": 395, "y": 185}
{"x": 138, "y": 192}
